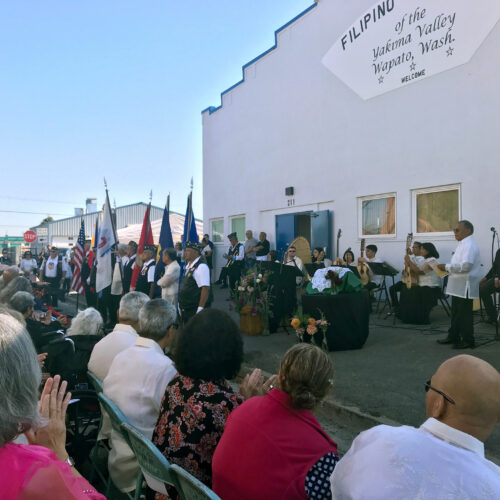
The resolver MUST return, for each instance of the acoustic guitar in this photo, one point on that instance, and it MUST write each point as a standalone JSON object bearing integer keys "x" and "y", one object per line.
{"x": 363, "y": 270}
{"x": 408, "y": 277}
{"x": 338, "y": 260}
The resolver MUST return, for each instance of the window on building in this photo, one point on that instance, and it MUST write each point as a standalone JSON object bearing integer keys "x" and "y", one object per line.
{"x": 436, "y": 209}
{"x": 238, "y": 226}
{"x": 217, "y": 230}
{"x": 378, "y": 215}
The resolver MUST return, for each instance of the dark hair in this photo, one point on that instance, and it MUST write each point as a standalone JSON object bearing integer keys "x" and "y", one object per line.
{"x": 274, "y": 255}
{"x": 431, "y": 250}
{"x": 419, "y": 245}
{"x": 171, "y": 252}
{"x": 468, "y": 225}
{"x": 306, "y": 375}
{"x": 373, "y": 248}
{"x": 319, "y": 249}
{"x": 292, "y": 246}
{"x": 132, "y": 244}
{"x": 209, "y": 347}
{"x": 28, "y": 252}
{"x": 348, "y": 251}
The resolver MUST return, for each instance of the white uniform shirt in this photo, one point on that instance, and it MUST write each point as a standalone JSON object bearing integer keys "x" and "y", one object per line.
{"x": 465, "y": 270}
{"x": 241, "y": 251}
{"x": 398, "y": 463}
{"x": 295, "y": 262}
{"x": 136, "y": 383}
{"x": 50, "y": 268}
{"x": 430, "y": 278}
{"x": 376, "y": 278}
{"x": 27, "y": 265}
{"x": 201, "y": 274}
{"x": 151, "y": 270}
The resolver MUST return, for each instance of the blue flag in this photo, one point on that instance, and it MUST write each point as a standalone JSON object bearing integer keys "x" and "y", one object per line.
{"x": 166, "y": 241}
{"x": 190, "y": 233}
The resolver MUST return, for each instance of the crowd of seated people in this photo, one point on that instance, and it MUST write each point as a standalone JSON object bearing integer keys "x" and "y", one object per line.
{"x": 260, "y": 440}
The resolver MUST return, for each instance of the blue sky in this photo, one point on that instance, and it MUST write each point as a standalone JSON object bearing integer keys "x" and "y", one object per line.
{"x": 115, "y": 88}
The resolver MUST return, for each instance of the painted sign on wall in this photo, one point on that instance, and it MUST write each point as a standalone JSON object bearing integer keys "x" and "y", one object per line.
{"x": 398, "y": 42}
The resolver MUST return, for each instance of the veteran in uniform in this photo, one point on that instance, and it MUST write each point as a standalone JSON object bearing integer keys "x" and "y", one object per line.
{"x": 146, "y": 280}
{"x": 195, "y": 293}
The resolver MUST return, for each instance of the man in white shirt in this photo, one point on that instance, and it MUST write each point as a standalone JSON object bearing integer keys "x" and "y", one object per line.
{"x": 136, "y": 383}
{"x": 418, "y": 260}
{"x": 444, "y": 458}
{"x": 235, "y": 261}
{"x": 463, "y": 285}
{"x": 371, "y": 256}
{"x": 195, "y": 292}
{"x": 52, "y": 272}
{"x": 169, "y": 282}
{"x": 123, "y": 336}
{"x": 146, "y": 279}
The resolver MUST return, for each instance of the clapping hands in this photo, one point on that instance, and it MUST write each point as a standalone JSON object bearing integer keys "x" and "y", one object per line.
{"x": 253, "y": 384}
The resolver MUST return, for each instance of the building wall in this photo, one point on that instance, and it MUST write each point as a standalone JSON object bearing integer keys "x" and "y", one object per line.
{"x": 293, "y": 123}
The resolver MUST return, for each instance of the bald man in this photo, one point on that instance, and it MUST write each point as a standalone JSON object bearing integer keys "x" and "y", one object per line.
{"x": 444, "y": 458}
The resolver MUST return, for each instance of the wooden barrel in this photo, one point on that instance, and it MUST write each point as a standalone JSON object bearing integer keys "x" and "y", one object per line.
{"x": 250, "y": 325}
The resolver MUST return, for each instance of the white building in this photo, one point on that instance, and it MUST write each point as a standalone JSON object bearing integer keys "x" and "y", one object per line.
{"x": 416, "y": 158}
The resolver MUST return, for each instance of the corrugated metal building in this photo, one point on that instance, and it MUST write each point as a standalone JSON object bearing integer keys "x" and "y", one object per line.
{"x": 64, "y": 232}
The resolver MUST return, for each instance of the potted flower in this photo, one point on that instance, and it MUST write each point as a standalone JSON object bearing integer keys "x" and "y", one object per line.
{"x": 309, "y": 329}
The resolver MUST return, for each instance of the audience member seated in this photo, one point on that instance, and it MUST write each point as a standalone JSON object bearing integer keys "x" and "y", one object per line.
{"x": 416, "y": 302}
{"x": 136, "y": 383}
{"x": 444, "y": 458}
{"x": 17, "y": 284}
{"x": 123, "y": 336}
{"x": 8, "y": 275}
{"x": 198, "y": 400}
{"x": 39, "y": 469}
{"x": 23, "y": 302}
{"x": 273, "y": 446}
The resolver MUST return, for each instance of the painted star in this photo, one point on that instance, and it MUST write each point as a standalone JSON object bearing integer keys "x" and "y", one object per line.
{"x": 449, "y": 52}
{"x": 412, "y": 66}
{"x": 380, "y": 79}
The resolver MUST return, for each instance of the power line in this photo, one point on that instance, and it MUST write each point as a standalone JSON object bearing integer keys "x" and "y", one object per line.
{"x": 38, "y": 199}
{"x": 33, "y": 213}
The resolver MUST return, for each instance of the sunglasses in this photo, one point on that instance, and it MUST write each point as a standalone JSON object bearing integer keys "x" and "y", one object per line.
{"x": 429, "y": 386}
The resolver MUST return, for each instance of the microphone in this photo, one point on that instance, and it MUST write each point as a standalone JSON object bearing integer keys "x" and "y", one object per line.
{"x": 493, "y": 229}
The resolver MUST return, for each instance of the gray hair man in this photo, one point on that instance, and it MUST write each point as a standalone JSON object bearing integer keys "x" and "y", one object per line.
{"x": 136, "y": 383}
{"x": 8, "y": 275}
{"x": 18, "y": 284}
{"x": 444, "y": 458}
{"x": 123, "y": 336}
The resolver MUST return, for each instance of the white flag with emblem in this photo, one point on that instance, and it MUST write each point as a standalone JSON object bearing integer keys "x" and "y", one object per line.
{"x": 106, "y": 240}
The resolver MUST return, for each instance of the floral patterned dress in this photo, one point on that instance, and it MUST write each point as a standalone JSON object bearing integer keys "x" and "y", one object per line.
{"x": 192, "y": 418}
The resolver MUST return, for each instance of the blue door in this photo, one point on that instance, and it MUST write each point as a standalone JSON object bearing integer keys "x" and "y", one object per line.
{"x": 285, "y": 232}
{"x": 321, "y": 235}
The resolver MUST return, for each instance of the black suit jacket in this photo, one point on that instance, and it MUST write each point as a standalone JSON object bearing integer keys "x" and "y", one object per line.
{"x": 127, "y": 275}
{"x": 495, "y": 270}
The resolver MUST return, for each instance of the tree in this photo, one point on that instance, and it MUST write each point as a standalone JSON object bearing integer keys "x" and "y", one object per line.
{"x": 47, "y": 219}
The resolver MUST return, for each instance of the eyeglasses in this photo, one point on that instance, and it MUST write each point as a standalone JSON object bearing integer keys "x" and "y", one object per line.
{"x": 429, "y": 386}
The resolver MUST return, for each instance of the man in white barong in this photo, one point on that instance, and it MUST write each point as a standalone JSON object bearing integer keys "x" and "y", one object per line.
{"x": 444, "y": 458}
{"x": 463, "y": 286}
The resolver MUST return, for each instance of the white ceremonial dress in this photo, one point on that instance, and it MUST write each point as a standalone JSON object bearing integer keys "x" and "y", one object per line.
{"x": 169, "y": 282}
{"x": 465, "y": 270}
{"x": 433, "y": 462}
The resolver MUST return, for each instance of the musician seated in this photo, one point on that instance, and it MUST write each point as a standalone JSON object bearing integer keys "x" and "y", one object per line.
{"x": 291, "y": 259}
{"x": 487, "y": 286}
{"x": 318, "y": 257}
{"x": 418, "y": 260}
{"x": 416, "y": 302}
{"x": 375, "y": 279}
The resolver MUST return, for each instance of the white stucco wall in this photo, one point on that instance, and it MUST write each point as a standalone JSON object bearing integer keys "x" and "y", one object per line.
{"x": 293, "y": 123}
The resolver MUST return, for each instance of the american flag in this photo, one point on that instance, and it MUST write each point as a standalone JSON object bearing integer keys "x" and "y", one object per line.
{"x": 76, "y": 283}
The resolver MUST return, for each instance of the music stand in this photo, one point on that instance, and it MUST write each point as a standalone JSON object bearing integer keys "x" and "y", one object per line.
{"x": 312, "y": 268}
{"x": 383, "y": 269}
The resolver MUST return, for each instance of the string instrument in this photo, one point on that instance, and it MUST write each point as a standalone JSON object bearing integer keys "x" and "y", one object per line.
{"x": 338, "y": 261}
{"x": 363, "y": 270}
{"x": 407, "y": 275}
{"x": 230, "y": 255}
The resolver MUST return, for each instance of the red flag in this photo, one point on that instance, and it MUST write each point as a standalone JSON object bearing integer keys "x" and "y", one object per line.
{"x": 145, "y": 239}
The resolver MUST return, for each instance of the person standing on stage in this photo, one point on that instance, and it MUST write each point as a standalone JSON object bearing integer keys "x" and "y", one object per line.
{"x": 262, "y": 248}
{"x": 52, "y": 272}
{"x": 195, "y": 292}
{"x": 129, "y": 266}
{"x": 463, "y": 285}
{"x": 488, "y": 285}
{"x": 146, "y": 279}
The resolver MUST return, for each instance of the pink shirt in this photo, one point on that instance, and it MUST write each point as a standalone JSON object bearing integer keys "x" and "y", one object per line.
{"x": 29, "y": 472}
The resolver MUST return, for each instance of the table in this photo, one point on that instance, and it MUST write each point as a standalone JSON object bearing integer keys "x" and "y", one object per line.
{"x": 348, "y": 315}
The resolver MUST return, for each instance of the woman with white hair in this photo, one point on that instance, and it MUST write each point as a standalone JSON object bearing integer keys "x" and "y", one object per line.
{"x": 42, "y": 468}
{"x": 86, "y": 322}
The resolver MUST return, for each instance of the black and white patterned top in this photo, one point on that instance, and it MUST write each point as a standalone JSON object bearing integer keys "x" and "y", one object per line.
{"x": 318, "y": 478}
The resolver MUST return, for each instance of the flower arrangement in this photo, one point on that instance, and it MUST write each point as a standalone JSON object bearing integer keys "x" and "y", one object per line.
{"x": 306, "y": 327}
{"x": 251, "y": 291}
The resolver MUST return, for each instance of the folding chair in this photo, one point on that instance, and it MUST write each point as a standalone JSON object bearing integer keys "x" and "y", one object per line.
{"x": 95, "y": 382}
{"x": 155, "y": 467}
{"x": 190, "y": 487}
{"x": 100, "y": 443}
{"x": 443, "y": 298}
{"x": 117, "y": 419}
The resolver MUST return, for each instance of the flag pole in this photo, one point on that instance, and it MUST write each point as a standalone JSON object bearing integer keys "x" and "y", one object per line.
{"x": 190, "y": 211}
{"x": 113, "y": 225}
